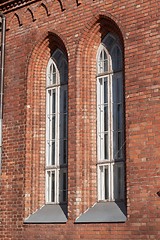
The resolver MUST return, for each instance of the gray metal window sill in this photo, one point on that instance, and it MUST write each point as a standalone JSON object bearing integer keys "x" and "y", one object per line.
{"x": 49, "y": 213}
{"x": 104, "y": 212}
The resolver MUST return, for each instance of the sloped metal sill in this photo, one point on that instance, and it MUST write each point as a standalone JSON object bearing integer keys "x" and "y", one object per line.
{"x": 104, "y": 212}
{"x": 49, "y": 213}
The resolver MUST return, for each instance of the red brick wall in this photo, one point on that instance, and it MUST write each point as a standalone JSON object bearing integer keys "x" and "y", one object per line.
{"x": 33, "y": 32}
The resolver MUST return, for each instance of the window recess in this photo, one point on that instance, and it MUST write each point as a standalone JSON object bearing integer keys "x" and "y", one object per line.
{"x": 110, "y": 121}
{"x": 56, "y": 129}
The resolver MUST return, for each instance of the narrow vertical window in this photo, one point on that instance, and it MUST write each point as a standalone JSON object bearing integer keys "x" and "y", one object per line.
{"x": 56, "y": 129}
{"x": 110, "y": 120}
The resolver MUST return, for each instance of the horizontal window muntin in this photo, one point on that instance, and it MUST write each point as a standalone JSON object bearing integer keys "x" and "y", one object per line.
{"x": 55, "y": 85}
{"x": 108, "y": 73}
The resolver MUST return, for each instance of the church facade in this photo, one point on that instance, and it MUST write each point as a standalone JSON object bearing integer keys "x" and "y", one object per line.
{"x": 79, "y": 119}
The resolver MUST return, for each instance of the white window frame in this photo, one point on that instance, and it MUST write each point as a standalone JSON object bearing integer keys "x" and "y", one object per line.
{"x": 113, "y": 188}
{"x": 55, "y": 115}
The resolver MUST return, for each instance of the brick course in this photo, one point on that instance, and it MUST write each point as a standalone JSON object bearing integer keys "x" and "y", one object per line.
{"x": 34, "y": 30}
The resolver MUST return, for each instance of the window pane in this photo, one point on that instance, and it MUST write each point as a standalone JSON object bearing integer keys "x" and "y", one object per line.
{"x": 100, "y": 63}
{"x": 48, "y": 187}
{"x": 105, "y": 69}
{"x": 106, "y": 118}
{"x": 53, "y": 127}
{"x": 116, "y": 59}
{"x": 48, "y": 153}
{"x": 119, "y": 58}
{"x": 114, "y": 144}
{"x": 120, "y": 145}
{"x": 53, "y": 153}
{"x": 119, "y": 116}
{"x": 103, "y": 62}
{"x": 53, "y": 187}
{"x": 106, "y": 181}
{"x": 53, "y": 101}
{"x": 65, "y": 151}
{"x": 105, "y": 90}
{"x": 65, "y": 126}
{"x": 106, "y": 146}
{"x": 63, "y": 72}
{"x": 64, "y": 187}
{"x": 109, "y": 40}
{"x": 101, "y": 56}
{"x": 118, "y": 181}
{"x": 101, "y": 185}
{"x": 65, "y": 101}
{"x": 52, "y": 74}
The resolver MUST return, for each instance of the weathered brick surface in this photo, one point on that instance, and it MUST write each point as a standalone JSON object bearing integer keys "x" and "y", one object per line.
{"x": 34, "y": 30}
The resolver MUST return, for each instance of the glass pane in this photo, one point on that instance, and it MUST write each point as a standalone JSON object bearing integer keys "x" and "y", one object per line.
{"x": 105, "y": 69}
{"x": 48, "y": 152}
{"x": 106, "y": 118}
{"x": 65, "y": 151}
{"x": 49, "y": 101}
{"x": 115, "y": 147}
{"x": 53, "y": 187}
{"x": 119, "y": 59}
{"x": 53, "y": 127}
{"x": 49, "y": 186}
{"x": 106, "y": 182}
{"x": 53, "y": 153}
{"x": 53, "y": 101}
{"x": 109, "y": 41}
{"x": 101, "y": 183}
{"x": 105, "y": 146}
{"x": 65, "y": 126}
{"x": 119, "y": 117}
{"x": 120, "y": 144}
{"x": 50, "y": 74}
{"x": 54, "y": 74}
{"x": 114, "y": 89}
{"x": 65, "y": 102}
{"x": 116, "y": 59}
{"x": 101, "y": 57}
{"x": 119, "y": 90}
{"x": 63, "y": 72}
{"x": 118, "y": 181}
{"x": 105, "y": 90}
{"x": 102, "y": 62}
{"x": 64, "y": 187}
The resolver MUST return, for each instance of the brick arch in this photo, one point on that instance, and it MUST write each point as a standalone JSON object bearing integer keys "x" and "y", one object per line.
{"x": 91, "y": 37}
{"x": 35, "y": 125}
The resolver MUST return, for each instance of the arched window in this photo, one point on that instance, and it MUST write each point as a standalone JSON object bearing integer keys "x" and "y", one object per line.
{"x": 56, "y": 129}
{"x": 110, "y": 120}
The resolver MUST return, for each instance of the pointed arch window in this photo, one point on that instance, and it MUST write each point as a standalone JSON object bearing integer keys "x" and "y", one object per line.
{"x": 110, "y": 120}
{"x": 56, "y": 128}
